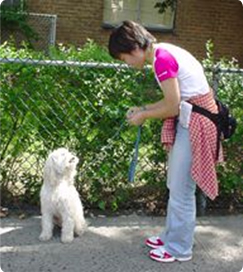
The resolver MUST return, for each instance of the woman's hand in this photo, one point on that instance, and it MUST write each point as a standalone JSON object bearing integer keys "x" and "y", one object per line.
{"x": 135, "y": 116}
{"x": 133, "y": 111}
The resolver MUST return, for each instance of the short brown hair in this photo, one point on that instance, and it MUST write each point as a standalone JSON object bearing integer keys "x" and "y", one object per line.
{"x": 127, "y": 37}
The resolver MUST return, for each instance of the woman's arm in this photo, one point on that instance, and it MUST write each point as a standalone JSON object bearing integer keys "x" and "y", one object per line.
{"x": 169, "y": 105}
{"x": 165, "y": 108}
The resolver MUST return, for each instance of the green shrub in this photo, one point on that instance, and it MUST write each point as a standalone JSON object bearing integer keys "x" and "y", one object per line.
{"x": 14, "y": 19}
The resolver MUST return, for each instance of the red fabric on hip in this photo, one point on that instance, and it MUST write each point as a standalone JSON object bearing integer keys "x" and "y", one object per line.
{"x": 203, "y": 138}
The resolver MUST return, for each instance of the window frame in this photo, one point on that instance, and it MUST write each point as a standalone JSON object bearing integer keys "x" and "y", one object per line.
{"x": 161, "y": 29}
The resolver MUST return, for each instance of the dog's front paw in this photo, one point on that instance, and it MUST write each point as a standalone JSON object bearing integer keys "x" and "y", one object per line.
{"x": 45, "y": 236}
{"x": 67, "y": 238}
{"x": 80, "y": 227}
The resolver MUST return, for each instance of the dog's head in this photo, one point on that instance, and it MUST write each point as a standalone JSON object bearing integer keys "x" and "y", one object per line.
{"x": 60, "y": 164}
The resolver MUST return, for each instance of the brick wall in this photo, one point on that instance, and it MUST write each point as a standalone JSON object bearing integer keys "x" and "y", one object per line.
{"x": 196, "y": 22}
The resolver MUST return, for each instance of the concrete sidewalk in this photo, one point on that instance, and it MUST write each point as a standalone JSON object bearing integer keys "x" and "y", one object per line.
{"x": 116, "y": 244}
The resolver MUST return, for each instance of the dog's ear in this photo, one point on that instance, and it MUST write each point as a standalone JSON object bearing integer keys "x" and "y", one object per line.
{"x": 49, "y": 172}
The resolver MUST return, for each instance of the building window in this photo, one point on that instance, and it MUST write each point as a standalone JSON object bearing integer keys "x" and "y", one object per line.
{"x": 141, "y": 11}
{"x": 12, "y": 2}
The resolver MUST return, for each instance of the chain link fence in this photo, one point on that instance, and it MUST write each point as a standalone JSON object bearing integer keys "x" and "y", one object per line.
{"x": 43, "y": 31}
{"x": 46, "y": 104}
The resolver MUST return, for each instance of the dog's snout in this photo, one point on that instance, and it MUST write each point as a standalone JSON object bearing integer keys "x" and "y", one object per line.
{"x": 72, "y": 159}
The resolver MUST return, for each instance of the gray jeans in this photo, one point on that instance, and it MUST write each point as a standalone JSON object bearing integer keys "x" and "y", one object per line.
{"x": 181, "y": 210}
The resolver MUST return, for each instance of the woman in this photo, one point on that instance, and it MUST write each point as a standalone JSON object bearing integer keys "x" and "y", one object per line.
{"x": 190, "y": 137}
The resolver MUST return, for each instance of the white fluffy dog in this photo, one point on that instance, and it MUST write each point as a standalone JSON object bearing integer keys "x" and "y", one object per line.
{"x": 59, "y": 198}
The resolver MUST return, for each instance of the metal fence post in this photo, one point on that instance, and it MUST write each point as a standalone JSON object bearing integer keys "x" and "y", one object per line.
{"x": 215, "y": 77}
{"x": 52, "y": 37}
{"x": 201, "y": 197}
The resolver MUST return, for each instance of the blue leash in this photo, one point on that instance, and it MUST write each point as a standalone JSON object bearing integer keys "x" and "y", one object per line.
{"x": 133, "y": 164}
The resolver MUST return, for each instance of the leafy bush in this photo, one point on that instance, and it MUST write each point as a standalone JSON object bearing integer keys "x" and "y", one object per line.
{"x": 14, "y": 18}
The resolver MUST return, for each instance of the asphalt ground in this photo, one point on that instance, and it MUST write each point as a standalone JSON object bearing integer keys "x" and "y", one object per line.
{"x": 116, "y": 244}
